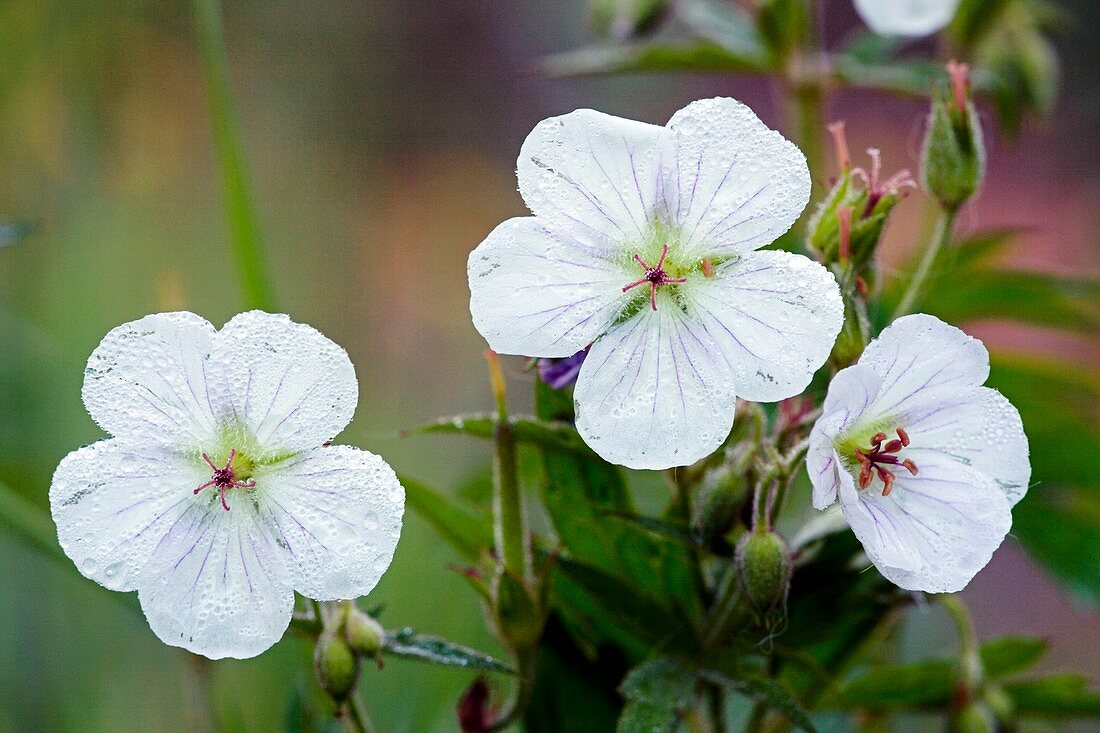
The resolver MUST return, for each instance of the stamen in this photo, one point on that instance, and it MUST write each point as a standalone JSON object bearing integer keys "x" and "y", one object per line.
{"x": 876, "y": 461}
{"x": 840, "y": 141}
{"x": 960, "y": 82}
{"x": 655, "y": 276}
{"x": 224, "y": 478}
{"x": 708, "y": 269}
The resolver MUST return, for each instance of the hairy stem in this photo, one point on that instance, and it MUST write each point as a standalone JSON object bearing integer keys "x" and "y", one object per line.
{"x": 239, "y": 206}
{"x": 941, "y": 236}
{"x": 357, "y": 718}
{"x": 509, "y": 522}
{"x": 970, "y": 660}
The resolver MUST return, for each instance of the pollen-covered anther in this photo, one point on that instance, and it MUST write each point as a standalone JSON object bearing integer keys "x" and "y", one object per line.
{"x": 874, "y": 461}
{"x": 655, "y": 276}
{"x": 224, "y": 478}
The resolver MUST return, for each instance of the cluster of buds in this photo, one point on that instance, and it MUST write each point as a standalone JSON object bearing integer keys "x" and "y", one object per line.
{"x": 847, "y": 226}
{"x": 953, "y": 155}
{"x": 349, "y": 636}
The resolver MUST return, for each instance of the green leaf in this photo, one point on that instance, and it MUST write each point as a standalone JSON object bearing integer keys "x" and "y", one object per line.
{"x": 911, "y": 77}
{"x": 1057, "y": 696}
{"x": 408, "y": 644}
{"x": 701, "y": 56}
{"x": 466, "y": 531}
{"x": 920, "y": 686}
{"x": 530, "y": 430}
{"x": 769, "y": 691}
{"x": 656, "y": 691}
{"x": 730, "y": 26}
{"x": 1010, "y": 655}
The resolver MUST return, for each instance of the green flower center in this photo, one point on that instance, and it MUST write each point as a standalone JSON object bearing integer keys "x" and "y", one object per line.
{"x": 868, "y": 448}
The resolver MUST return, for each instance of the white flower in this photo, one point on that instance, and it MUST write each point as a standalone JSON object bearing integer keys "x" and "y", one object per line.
{"x": 912, "y": 18}
{"x": 218, "y": 495}
{"x": 926, "y": 461}
{"x": 643, "y": 243}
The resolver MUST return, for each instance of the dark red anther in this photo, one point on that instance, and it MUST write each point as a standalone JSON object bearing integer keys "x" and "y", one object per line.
{"x": 875, "y": 460}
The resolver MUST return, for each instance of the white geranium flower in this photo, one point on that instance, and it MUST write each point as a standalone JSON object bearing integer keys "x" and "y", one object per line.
{"x": 926, "y": 461}
{"x": 911, "y": 18}
{"x": 644, "y": 244}
{"x": 218, "y": 495}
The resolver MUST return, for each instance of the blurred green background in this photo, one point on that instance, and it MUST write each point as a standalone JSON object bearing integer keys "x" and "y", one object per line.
{"x": 382, "y": 137}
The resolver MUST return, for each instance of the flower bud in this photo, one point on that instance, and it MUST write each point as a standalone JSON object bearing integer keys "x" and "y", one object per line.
{"x": 363, "y": 634}
{"x": 721, "y": 494}
{"x": 336, "y": 666}
{"x": 473, "y": 710}
{"x": 515, "y": 612}
{"x": 953, "y": 154}
{"x": 623, "y": 19}
{"x": 763, "y": 569}
{"x": 848, "y": 224}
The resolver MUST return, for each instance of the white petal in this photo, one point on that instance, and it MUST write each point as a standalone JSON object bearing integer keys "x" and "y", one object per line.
{"x": 921, "y": 359}
{"x": 980, "y": 429}
{"x": 287, "y": 385}
{"x": 594, "y": 172}
{"x": 732, "y": 185}
{"x": 774, "y": 316}
{"x": 934, "y": 531}
{"x": 337, "y": 512}
{"x": 913, "y": 18}
{"x": 539, "y": 293}
{"x": 113, "y": 502}
{"x": 147, "y": 381}
{"x": 654, "y": 393}
{"x": 216, "y": 584}
{"x": 851, "y": 391}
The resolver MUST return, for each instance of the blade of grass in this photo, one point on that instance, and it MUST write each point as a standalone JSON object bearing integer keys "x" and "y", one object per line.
{"x": 240, "y": 208}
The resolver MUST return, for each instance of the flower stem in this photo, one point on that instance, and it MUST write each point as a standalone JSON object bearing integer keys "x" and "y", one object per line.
{"x": 969, "y": 656}
{"x": 239, "y": 205}
{"x": 941, "y": 236}
{"x": 358, "y": 719}
{"x": 509, "y": 523}
{"x": 804, "y": 102}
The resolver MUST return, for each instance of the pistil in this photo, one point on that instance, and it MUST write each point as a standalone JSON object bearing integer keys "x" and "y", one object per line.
{"x": 224, "y": 478}
{"x": 875, "y": 460}
{"x": 655, "y": 276}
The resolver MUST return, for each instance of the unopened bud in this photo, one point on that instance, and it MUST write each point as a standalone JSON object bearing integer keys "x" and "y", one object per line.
{"x": 336, "y": 666}
{"x": 953, "y": 154}
{"x": 764, "y": 569}
{"x": 623, "y": 19}
{"x": 515, "y": 611}
{"x": 363, "y": 634}
{"x": 473, "y": 711}
{"x": 721, "y": 495}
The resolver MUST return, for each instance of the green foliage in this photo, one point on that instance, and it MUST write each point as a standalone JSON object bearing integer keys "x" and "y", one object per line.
{"x": 657, "y": 692}
{"x": 408, "y": 644}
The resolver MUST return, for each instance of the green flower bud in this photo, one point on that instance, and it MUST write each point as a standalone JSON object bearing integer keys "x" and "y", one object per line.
{"x": 623, "y": 19}
{"x": 336, "y": 666}
{"x": 953, "y": 155}
{"x": 763, "y": 569}
{"x": 363, "y": 634}
{"x": 515, "y": 611}
{"x": 721, "y": 495}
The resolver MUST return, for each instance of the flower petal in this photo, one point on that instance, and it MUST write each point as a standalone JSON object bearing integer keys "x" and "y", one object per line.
{"x": 593, "y": 172}
{"x": 913, "y": 18}
{"x": 147, "y": 381}
{"x": 732, "y": 184}
{"x": 774, "y": 316}
{"x": 921, "y": 359}
{"x": 653, "y": 393}
{"x": 538, "y": 293}
{"x": 113, "y": 502}
{"x": 286, "y": 385}
{"x": 934, "y": 531}
{"x": 216, "y": 585}
{"x": 337, "y": 512}
{"x": 850, "y": 393}
{"x": 981, "y": 429}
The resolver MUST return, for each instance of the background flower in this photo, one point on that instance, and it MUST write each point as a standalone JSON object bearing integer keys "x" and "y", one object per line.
{"x": 906, "y": 17}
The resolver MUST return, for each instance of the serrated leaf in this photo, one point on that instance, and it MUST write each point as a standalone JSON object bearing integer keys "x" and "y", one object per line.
{"x": 1010, "y": 655}
{"x": 637, "y": 717}
{"x": 662, "y": 682}
{"x": 1058, "y": 696}
{"x": 463, "y": 529}
{"x": 701, "y": 56}
{"x": 408, "y": 644}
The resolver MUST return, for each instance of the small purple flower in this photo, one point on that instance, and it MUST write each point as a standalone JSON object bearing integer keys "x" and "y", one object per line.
{"x": 219, "y": 494}
{"x": 560, "y": 373}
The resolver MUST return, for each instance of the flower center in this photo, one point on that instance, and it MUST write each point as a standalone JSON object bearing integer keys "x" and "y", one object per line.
{"x": 655, "y": 276}
{"x": 226, "y": 477}
{"x": 874, "y": 460}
